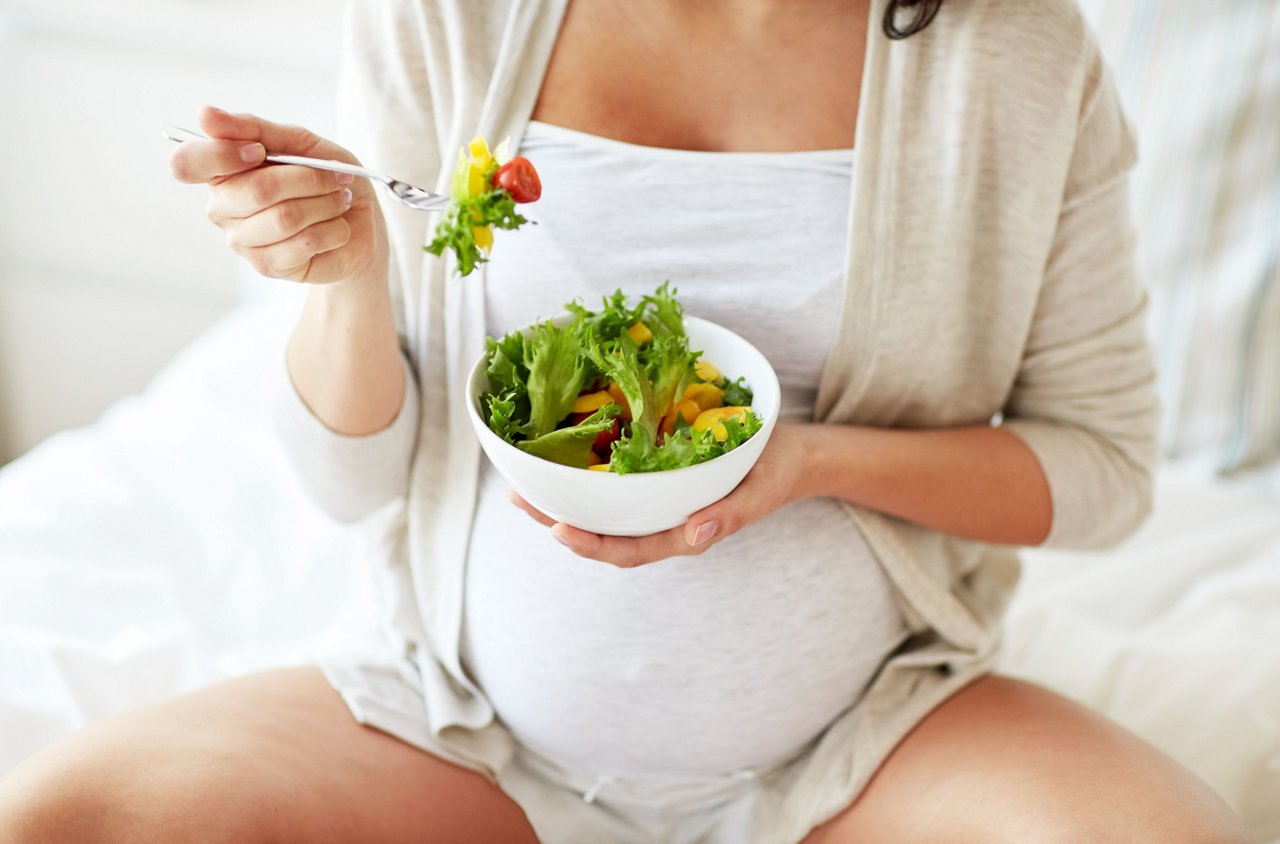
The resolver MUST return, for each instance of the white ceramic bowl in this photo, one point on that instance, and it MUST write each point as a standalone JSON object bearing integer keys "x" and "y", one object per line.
{"x": 647, "y": 502}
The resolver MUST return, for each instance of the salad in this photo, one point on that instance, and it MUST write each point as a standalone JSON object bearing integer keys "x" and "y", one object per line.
{"x": 615, "y": 390}
{"x": 486, "y": 187}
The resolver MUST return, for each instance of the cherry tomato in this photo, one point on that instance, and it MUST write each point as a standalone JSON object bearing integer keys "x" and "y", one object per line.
{"x": 604, "y": 440}
{"x": 518, "y": 178}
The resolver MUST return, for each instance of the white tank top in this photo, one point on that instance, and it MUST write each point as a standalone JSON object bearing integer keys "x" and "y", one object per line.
{"x": 737, "y": 658}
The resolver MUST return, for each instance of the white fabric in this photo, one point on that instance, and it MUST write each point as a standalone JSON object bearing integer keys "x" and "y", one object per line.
{"x": 168, "y": 546}
{"x": 763, "y": 639}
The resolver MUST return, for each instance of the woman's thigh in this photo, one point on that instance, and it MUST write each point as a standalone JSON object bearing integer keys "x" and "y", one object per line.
{"x": 270, "y": 757}
{"x": 1008, "y": 761}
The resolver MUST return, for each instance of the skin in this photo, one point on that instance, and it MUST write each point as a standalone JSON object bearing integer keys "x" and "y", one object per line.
{"x": 276, "y": 756}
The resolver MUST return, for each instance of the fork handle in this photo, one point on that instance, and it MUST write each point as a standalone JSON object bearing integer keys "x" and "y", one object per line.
{"x": 177, "y": 134}
{"x": 325, "y": 164}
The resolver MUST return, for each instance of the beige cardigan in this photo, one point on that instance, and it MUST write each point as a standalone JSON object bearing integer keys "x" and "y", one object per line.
{"x": 989, "y": 272}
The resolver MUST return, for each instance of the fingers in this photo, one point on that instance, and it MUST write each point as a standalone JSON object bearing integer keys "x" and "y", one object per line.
{"x": 202, "y": 162}
{"x": 250, "y": 193}
{"x": 285, "y": 219}
{"x": 624, "y": 551}
{"x": 299, "y": 258}
{"x": 278, "y": 137}
{"x": 239, "y": 142}
{"x": 753, "y": 499}
{"x": 537, "y": 515}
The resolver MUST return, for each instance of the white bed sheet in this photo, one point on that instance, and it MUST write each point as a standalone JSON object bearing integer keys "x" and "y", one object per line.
{"x": 168, "y": 546}
{"x": 1175, "y": 634}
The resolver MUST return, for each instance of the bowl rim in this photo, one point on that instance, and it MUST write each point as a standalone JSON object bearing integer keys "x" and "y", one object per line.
{"x": 485, "y": 432}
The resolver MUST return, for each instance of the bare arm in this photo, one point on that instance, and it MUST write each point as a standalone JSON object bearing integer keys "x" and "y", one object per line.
{"x": 978, "y": 483}
{"x": 344, "y": 357}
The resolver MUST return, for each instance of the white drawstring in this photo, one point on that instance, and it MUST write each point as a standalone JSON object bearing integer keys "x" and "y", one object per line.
{"x": 590, "y": 795}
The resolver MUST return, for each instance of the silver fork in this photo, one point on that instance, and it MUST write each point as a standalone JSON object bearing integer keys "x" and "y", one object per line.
{"x": 414, "y": 197}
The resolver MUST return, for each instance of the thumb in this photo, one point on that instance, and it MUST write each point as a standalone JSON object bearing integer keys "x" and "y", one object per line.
{"x": 755, "y": 497}
{"x": 719, "y": 519}
{"x": 278, "y": 138}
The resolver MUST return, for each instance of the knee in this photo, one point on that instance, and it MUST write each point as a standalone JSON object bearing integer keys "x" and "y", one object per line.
{"x": 108, "y": 796}
{"x": 43, "y": 802}
{"x": 1112, "y": 823}
{"x": 1056, "y": 810}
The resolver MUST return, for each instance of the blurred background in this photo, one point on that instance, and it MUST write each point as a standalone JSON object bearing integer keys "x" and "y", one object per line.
{"x": 153, "y": 539}
{"x": 107, "y": 265}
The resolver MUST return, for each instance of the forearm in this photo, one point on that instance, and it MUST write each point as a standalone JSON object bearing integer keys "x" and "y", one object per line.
{"x": 978, "y": 482}
{"x": 344, "y": 357}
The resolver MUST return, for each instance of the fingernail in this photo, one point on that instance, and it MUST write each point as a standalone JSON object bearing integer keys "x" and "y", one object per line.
{"x": 561, "y": 539}
{"x": 705, "y": 531}
{"x": 252, "y": 152}
{"x": 346, "y": 198}
{"x": 343, "y": 178}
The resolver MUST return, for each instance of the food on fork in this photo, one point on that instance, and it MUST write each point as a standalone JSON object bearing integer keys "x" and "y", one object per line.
{"x": 486, "y": 187}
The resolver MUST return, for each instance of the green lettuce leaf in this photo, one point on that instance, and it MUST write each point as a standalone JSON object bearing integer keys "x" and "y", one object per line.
{"x": 737, "y": 393}
{"x": 686, "y": 447}
{"x": 620, "y": 362}
{"x": 670, "y": 366}
{"x": 606, "y": 324}
{"x": 663, "y": 314}
{"x": 572, "y": 446}
{"x": 506, "y": 368}
{"x": 503, "y": 412}
{"x": 495, "y": 208}
{"x": 557, "y": 371}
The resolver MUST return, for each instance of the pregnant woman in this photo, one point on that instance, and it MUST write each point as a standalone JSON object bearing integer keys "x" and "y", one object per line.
{"x": 918, "y": 212}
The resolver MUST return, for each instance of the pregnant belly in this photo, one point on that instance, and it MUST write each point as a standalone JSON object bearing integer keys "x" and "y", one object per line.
{"x": 732, "y": 659}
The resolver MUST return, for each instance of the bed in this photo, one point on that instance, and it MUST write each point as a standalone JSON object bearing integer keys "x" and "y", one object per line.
{"x": 168, "y": 546}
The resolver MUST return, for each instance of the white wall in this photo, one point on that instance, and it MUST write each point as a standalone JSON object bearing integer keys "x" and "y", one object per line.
{"x": 108, "y": 266}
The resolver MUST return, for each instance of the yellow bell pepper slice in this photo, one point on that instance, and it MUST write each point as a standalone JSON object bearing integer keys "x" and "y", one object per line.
{"x": 592, "y": 402}
{"x": 640, "y": 333}
{"x": 480, "y": 155}
{"x": 484, "y": 237}
{"x": 599, "y": 467}
{"x": 705, "y": 396}
{"x": 620, "y": 399}
{"x": 714, "y": 420}
{"x": 707, "y": 372}
{"x": 688, "y": 409}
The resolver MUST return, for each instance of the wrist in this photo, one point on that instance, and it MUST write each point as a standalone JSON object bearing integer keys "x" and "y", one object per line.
{"x": 827, "y": 468}
{"x": 356, "y": 310}
{"x": 812, "y": 462}
{"x": 371, "y": 276}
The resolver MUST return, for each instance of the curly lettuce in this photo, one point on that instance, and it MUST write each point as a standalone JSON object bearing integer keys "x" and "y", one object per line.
{"x": 639, "y": 353}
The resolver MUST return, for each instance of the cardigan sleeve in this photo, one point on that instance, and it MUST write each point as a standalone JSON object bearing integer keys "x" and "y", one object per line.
{"x": 1084, "y": 399}
{"x": 348, "y": 477}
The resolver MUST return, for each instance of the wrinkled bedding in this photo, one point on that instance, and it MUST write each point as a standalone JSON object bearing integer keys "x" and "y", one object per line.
{"x": 167, "y": 547}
